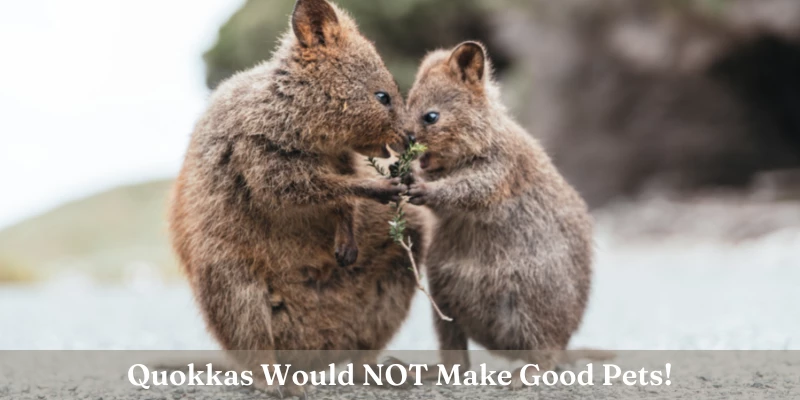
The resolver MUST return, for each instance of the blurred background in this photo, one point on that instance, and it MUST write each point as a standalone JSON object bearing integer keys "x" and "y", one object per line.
{"x": 678, "y": 121}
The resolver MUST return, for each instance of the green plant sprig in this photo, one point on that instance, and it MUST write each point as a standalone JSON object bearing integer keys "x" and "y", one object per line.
{"x": 397, "y": 226}
{"x": 400, "y": 169}
{"x": 372, "y": 162}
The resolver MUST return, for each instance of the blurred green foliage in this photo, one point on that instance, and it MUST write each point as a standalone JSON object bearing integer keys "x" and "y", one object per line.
{"x": 105, "y": 236}
{"x": 403, "y": 31}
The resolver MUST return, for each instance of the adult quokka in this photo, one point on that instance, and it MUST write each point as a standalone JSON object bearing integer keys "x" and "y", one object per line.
{"x": 511, "y": 258}
{"x": 271, "y": 185}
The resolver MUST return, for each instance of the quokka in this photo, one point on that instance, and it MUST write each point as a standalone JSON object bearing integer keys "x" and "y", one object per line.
{"x": 272, "y": 185}
{"x": 511, "y": 257}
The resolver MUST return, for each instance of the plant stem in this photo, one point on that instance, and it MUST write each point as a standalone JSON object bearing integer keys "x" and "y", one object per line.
{"x": 401, "y": 169}
{"x": 407, "y": 247}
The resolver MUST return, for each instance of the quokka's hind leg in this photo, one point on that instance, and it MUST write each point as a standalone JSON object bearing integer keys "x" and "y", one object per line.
{"x": 238, "y": 312}
{"x": 545, "y": 360}
{"x": 569, "y": 357}
{"x": 369, "y": 359}
{"x": 453, "y": 345}
{"x": 362, "y": 360}
{"x": 549, "y": 360}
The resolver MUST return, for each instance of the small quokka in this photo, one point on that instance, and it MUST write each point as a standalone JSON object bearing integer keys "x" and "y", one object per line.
{"x": 511, "y": 258}
{"x": 272, "y": 184}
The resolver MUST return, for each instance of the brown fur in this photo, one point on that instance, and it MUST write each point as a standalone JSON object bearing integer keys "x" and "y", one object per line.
{"x": 271, "y": 181}
{"x": 511, "y": 257}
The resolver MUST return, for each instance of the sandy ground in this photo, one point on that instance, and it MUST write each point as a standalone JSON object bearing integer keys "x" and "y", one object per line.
{"x": 686, "y": 292}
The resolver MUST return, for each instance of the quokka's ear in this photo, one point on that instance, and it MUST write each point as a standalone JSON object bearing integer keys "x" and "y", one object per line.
{"x": 468, "y": 63}
{"x": 315, "y": 23}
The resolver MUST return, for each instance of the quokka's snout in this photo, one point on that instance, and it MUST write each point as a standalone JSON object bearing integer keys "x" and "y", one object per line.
{"x": 404, "y": 140}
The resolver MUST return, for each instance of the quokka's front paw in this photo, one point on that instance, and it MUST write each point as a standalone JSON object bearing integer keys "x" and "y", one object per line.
{"x": 346, "y": 254}
{"x": 386, "y": 191}
{"x": 410, "y": 179}
{"x": 419, "y": 194}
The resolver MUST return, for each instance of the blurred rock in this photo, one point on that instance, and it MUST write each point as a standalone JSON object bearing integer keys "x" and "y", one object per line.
{"x": 675, "y": 95}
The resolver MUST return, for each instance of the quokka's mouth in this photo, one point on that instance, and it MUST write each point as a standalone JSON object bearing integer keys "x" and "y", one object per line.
{"x": 385, "y": 153}
{"x": 429, "y": 165}
{"x": 425, "y": 161}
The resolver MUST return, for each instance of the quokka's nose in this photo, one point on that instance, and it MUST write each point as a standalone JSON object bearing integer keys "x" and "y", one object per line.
{"x": 401, "y": 145}
{"x": 412, "y": 139}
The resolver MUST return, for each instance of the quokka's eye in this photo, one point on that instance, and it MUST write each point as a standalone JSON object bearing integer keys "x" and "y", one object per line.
{"x": 384, "y": 98}
{"x": 431, "y": 118}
